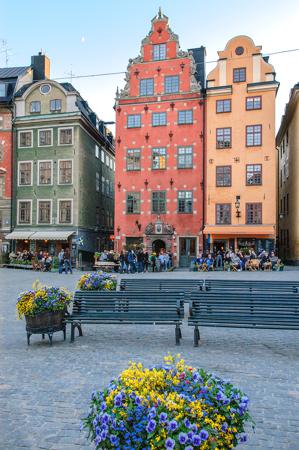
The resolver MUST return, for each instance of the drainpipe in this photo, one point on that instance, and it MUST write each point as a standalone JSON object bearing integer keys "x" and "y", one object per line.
{"x": 204, "y": 166}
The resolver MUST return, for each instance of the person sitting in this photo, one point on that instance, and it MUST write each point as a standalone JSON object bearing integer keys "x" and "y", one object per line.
{"x": 200, "y": 261}
{"x": 273, "y": 259}
{"x": 193, "y": 265}
{"x": 48, "y": 263}
{"x": 252, "y": 254}
{"x": 235, "y": 261}
{"x": 210, "y": 262}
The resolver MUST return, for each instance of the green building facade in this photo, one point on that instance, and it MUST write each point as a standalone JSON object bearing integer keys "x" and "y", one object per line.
{"x": 63, "y": 173}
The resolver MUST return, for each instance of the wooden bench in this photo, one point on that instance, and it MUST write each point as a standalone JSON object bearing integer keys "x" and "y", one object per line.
{"x": 254, "y": 309}
{"x": 99, "y": 307}
{"x": 161, "y": 284}
{"x": 108, "y": 266}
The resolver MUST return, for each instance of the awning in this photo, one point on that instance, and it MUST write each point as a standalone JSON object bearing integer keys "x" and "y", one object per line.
{"x": 22, "y": 234}
{"x": 239, "y": 230}
{"x": 51, "y": 235}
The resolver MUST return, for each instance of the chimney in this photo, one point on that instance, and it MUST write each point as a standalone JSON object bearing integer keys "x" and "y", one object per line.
{"x": 41, "y": 66}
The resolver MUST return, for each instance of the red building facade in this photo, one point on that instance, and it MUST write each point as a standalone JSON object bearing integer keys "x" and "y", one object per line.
{"x": 159, "y": 149}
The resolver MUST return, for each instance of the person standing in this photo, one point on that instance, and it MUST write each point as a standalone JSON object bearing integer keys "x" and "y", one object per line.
{"x": 67, "y": 261}
{"x": 145, "y": 260}
{"x": 60, "y": 260}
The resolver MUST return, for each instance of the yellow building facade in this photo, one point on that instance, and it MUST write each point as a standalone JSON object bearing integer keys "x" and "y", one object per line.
{"x": 288, "y": 191}
{"x": 240, "y": 157}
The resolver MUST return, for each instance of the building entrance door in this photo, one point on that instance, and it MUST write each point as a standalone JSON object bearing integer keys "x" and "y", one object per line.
{"x": 187, "y": 251}
{"x": 158, "y": 245}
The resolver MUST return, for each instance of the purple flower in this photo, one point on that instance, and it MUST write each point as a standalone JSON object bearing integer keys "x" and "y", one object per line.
{"x": 113, "y": 439}
{"x": 196, "y": 440}
{"x": 103, "y": 406}
{"x": 173, "y": 425}
{"x": 204, "y": 435}
{"x": 170, "y": 443}
{"x": 187, "y": 423}
{"x": 243, "y": 437}
{"x": 151, "y": 426}
{"x": 194, "y": 427}
{"x": 163, "y": 417}
{"x": 137, "y": 401}
{"x": 118, "y": 400}
{"x": 224, "y": 427}
{"x": 183, "y": 438}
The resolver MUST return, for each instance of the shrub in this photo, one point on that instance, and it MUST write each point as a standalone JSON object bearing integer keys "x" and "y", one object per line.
{"x": 171, "y": 406}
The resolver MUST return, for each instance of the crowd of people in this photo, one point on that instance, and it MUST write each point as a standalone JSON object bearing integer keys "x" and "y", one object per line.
{"x": 42, "y": 260}
{"x": 139, "y": 261}
{"x": 236, "y": 260}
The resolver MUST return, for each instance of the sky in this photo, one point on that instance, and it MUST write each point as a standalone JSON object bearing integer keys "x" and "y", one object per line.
{"x": 96, "y": 36}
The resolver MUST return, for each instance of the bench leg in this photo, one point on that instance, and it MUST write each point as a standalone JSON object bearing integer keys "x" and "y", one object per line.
{"x": 28, "y": 338}
{"x": 196, "y": 336}
{"x": 64, "y": 333}
{"x": 43, "y": 336}
{"x": 72, "y": 332}
{"x": 180, "y": 333}
{"x": 50, "y": 337}
{"x": 177, "y": 334}
{"x": 73, "y": 326}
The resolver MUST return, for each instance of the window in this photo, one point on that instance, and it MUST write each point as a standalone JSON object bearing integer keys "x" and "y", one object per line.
{"x": 133, "y": 203}
{"x": 25, "y": 139}
{"x": 185, "y": 117}
{"x": 253, "y": 103}
{"x": 254, "y": 174}
{"x": 134, "y": 121}
{"x": 25, "y": 173}
{"x": 171, "y": 84}
{"x": 185, "y": 157}
{"x": 55, "y": 105}
{"x": 223, "y": 106}
{"x": 44, "y": 172}
{"x": 102, "y": 156}
{"x": 159, "y": 158}
{"x": 97, "y": 182}
{"x": 44, "y": 211}
{"x": 223, "y": 138}
{"x": 1, "y": 151}
{"x": 159, "y": 119}
{"x": 107, "y": 160}
{"x": 98, "y": 216}
{"x": 2, "y": 90}
{"x": 65, "y": 136}
{"x": 2, "y": 186}
{"x": 24, "y": 212}
{"x": 223, "y": 214}
{"x": 35, "y": 107}
{"x": 159, "y": 52}
{"x": 97, "y": 151}
{"x": 65, "y": 171}
{"x": 223, "y": 176}
{"x": 159, "y": 202}
{"x": 146, "y": 86}
{"x": 65, "y": 211}
{"x": 103, "y": 185}
{"x": 107, "y": 187}
{"x": 44, "y": 137}
{"x": 185, "y": 202}
{"x": 45, "y": 89}
{"x": 133, "y": 159}
{"x": 253, "y": 135}
{"x": 239, "y": 75}
{"x": 253, "y": 213}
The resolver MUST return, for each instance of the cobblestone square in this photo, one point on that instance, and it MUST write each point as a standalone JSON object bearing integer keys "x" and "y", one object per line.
{"x": 45, "y": 391}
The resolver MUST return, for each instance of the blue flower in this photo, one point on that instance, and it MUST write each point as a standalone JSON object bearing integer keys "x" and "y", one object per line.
{"x": 196, "y": 440}
{"x": 151, "y": 426}
{"x": 163, "y": 417}
{"x": 204, "y": 435}
{"x": 224, "y": 427}
{"x": 113, "y": 439}
{"x": 173, "y": 425}
{"x": 183, "y": 438}
{"x": 187, "y": 423}
{"x": 170, "y": 443}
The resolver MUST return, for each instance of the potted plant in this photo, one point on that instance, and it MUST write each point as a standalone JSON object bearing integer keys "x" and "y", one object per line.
{"x": 44, "y": 309}
{"x": 170, "y": 406}
{"x": 97, "y": 281}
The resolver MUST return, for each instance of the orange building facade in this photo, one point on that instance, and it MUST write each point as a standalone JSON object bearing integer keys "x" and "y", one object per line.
{"x": 159, "y": 150}
{"x": 241, "y": 160}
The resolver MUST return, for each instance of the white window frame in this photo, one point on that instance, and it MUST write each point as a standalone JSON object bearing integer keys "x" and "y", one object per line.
{"x": 19, "y": 140}
{"x": 45, "y": 160}
{"x": 102, "y": 156}
{"x": 58, "y": 172}
{"x": 98, "y": 182}
{"x": 58, "y": 211}
{"x": 97, "y": 151}
{"x": 45, "y": 129}
{"x": 18, "y": 211}
{"x": 65, "y": 128}
{"x": 25, "y": 185}
{"x": 51, "y": 211}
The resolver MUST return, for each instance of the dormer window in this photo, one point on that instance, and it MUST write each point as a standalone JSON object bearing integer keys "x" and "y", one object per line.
{"x": 55, "y": 105}
{"x": 159, "y": 52}
{"x": 2, "y": 90}
{"x": 35, "y": 107}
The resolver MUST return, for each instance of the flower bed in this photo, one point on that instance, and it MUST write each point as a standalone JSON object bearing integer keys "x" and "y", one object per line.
{"x": 172, "y": 406}
{"x": 42, "y": 299}
{"x": 97, "y": 281}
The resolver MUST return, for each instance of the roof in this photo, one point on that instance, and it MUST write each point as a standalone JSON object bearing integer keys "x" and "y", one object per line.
{"x": 23, "y": 89}
{"x": 288, "y": 113}
{"x": 68, "y": 87}
{"x": 12, "y": 72}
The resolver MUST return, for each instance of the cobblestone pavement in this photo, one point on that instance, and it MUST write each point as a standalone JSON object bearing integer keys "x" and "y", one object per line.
{"x": 45, "y": 391}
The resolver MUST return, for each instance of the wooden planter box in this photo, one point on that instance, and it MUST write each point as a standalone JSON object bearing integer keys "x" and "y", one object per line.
{"x": 46, "y": 323}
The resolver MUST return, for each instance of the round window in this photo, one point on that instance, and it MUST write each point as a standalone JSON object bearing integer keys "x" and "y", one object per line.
{"x": 45, "y": 88}
{"x": 239, "y": 51}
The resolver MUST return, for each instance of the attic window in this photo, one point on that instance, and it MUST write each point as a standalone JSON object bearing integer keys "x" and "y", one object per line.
{"x": 45, "y": 89}
{"x": 239, "y": 51}
{"x": 2, "y": 90}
